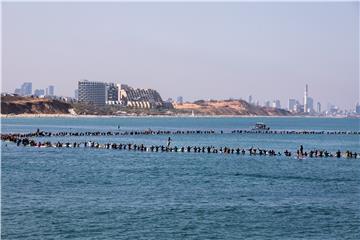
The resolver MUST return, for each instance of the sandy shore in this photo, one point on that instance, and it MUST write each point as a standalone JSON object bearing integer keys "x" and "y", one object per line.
{"x": 2, "y": 116}
{"x": 111, "y": 116}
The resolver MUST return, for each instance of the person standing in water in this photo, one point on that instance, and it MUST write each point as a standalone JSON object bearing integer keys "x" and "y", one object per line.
{"x": 301, "y": 150}
{"x": 168, "y": 142}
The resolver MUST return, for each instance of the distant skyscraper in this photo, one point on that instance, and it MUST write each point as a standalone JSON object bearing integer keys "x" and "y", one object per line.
{"x": 39, "y": 92}
{"x": 267, "y": 104}
{"x": 51, "y": 90}
{"x": 306, "y": 98}
{"x": 291, "y": 105}
{"x": 92, "y": 92}
{"x": 310, "y": 104}
{"x": 318, "y": 107}
{"x": 26, "y": 89}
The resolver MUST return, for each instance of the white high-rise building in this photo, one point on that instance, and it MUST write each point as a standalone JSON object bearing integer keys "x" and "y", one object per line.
{"x": 306, "y": 99}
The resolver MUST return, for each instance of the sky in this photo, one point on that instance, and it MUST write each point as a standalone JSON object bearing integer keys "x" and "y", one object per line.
{"x": 195, "y": 50}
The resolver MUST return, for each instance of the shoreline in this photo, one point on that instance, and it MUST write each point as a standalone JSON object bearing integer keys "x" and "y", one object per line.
{"x": 7, "y": 116}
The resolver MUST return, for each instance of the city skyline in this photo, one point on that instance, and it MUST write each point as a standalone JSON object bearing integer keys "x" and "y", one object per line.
{"x": 111, "y": 96}
{"x": 218, "y": 52}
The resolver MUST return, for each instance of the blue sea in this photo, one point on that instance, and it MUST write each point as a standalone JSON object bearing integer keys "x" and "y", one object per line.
{"x": 78, "y": 193}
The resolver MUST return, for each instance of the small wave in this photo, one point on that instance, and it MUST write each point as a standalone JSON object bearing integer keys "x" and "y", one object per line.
{"x": 295, "y": 178}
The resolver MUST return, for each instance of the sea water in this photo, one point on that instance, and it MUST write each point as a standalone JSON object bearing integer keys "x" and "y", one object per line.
{"x": 77, "y": 193}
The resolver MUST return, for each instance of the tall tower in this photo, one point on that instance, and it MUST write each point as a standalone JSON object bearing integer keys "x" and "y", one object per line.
{"x": 306, "y": 99}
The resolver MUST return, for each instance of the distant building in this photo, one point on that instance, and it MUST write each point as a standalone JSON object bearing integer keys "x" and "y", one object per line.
{"x": 39, "y": 92}
{"x": 92, "y": 92}
{"x": 50, "y": 90}
{"x": 291, "y": 105}
{"x": 267, "y": 104}
{"x": 140, "y": 98}
{"x": 168, "y": 103}
{"x": 310, "y": 105}
{"x": 357, "y": 108}
{"x": 100, "y": 93}
{"x": 76, "y": 94}
{"x": 180, "y": 100}
{"x": 112, "y": 92}
{"x": 332, "y": 109}
{"x": 26, "y": 89}
{"x": 299, "y": 108}
{"x": 318, "y": 108}
{"x": 306, "y": 98}
{"x": 17, "y": 91}
{"x": 276, "y": 104}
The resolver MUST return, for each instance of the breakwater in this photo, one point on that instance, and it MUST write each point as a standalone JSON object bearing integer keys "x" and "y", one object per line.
{"x": 25, "y": 140}
{"x": 40, "y": 133}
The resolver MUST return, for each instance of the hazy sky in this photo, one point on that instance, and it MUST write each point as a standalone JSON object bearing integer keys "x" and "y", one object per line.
{"x": 194, "y": 50}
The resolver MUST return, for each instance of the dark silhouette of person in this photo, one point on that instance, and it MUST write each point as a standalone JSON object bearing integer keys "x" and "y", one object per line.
{"x": 168, "y": 142}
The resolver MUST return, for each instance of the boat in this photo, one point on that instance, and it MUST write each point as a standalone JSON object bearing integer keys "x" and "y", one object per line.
{"x": 261, "y": 126}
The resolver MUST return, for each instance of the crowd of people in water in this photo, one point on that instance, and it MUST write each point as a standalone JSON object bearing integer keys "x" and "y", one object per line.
{"x": 39, "y": 133}
{"x": 26, "y": 140}
{"x": 305, "y": 132}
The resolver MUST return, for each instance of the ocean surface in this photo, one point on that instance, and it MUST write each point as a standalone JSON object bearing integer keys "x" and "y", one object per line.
{"x": 67, "y": 193}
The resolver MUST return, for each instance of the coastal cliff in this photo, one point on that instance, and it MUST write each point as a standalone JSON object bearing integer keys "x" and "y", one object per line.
{"x": 16, "y": 105}
{"x": 29, "y": 105}
{"x": 229, "y": 107}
